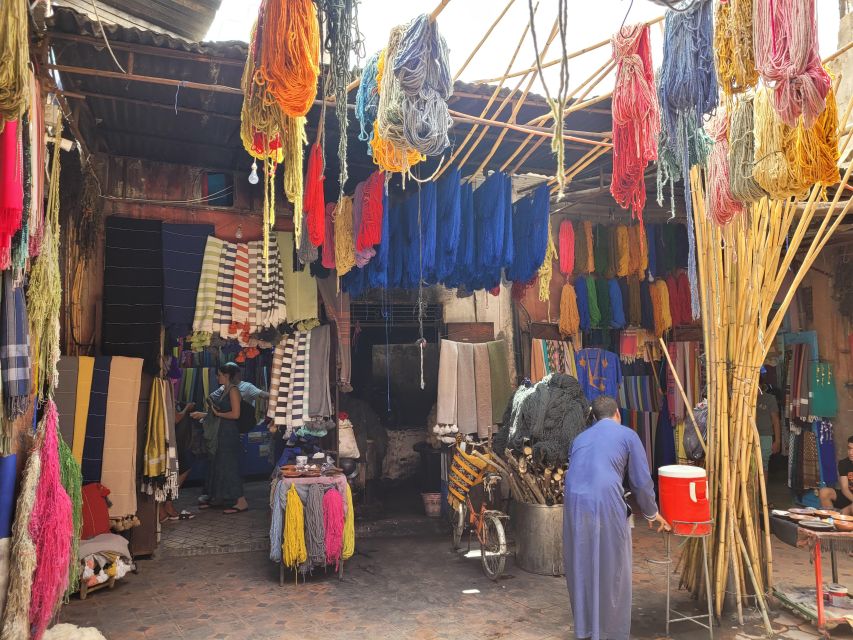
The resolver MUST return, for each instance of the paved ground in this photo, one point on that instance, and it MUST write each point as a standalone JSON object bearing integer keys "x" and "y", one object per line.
{"x": 404, "y": 582}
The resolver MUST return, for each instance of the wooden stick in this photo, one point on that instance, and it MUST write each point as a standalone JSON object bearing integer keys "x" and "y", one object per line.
{"x": 569, "y": 56}
{"x": 483, "y": 40}
{"x": 538, "y": 131}
{"x": 683, "y": 395}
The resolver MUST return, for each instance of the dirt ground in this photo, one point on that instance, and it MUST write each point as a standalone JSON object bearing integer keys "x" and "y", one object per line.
{"x": 403, "y": 582}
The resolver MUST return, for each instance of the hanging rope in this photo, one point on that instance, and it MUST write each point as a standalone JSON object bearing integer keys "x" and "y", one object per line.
{"x": 813, "y": 153}
{"x": 742, "y": 153}
{"x": 687, "y": 89}
{"x": 733, "y": 44}
{"x": 14, "y": 59}
{"x": 787, "y": 57}
{"x": 343, "y": 38}
{"x": 722, "y": 206}
{"x": 566, "y": 241}
{"x": 636, "y": 117}
{"x": 422, "y": 69}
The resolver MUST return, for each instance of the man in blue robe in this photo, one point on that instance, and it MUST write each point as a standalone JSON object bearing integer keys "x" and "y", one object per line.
{"x": 596, "y": 536}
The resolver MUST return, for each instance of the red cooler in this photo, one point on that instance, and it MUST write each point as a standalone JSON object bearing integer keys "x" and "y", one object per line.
{"x": 684, "y": 498}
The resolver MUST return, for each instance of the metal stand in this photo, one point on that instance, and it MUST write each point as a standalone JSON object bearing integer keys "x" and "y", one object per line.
{"x": 668, "y": 562}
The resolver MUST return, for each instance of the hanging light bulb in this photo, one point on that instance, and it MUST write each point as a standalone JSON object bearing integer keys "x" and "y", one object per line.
{"x": 253, "y": 176}
{"x": 239, "y": 233}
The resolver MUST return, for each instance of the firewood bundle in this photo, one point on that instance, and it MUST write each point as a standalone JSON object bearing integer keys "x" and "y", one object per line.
{"x": 530, "y": 481}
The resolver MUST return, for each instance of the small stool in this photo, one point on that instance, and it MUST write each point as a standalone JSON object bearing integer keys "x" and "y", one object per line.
{"x": 693, "y": 526}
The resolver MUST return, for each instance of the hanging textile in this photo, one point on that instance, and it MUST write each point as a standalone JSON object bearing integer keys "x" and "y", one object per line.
{"x": 647, "y": 312}
{"x": 85, "y": 370}
{"x": 319, "y": 395}
{"x": 15, "y": 349}
{"x": 635, "y": 317}
{"x": 120, "y": 426}
{"x": 11, "y": 188}
{"x": 660, "y": 307}
{"x": 300, "y": 291}
{"x": 824, "y": 401}
{"x": 240, "y": 326}
{"x": 492, "y": 210}
{"x": 65, "y": 395}
{"x": 429, "y": 220}
{"x": 337, "y": 305}
{"x": 483, "y": 389}
{"x": 271, "y": 300}
{"x": 183, "y": 248}
{"x": 224, "y": 290}
{"x": 93, "y": 447}
{"x": 530, "y": 223}
{"x": 343, "y": 236}
{"x": 448, "y": 359}
{"x": 621, "y": 248}
{"x": 826, "y": 452}
{"x": 599, "y": 373}
{"x": 686, "y": 360}
{"x": 466, "y": 401}
{"x": 133, "y": 289}
{"x": 551, "y": 356}
{"x": 377, "y": 270}
{"x": 205, "y": 302}
{"x": 602, "y": 250}
{"x": 363, "y": 255}
{"x": 501, "y": 389}
{"x": 602, "y": 297}
{"x": 160, "y": 463}
{"x": 592, "y": 303}
{"x": 665, "y": 450}
{"x": 582, "y": 298}
{"x": 8, "y": 467}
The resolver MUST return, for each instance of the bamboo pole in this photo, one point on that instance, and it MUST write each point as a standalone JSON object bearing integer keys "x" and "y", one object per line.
{"x": 483, "y": 40}
{"x": 680, "y": 388}
{"x": 537, "y": 131}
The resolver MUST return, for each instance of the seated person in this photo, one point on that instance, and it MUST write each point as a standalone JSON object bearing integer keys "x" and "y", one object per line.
{"x": 841, "y": 498}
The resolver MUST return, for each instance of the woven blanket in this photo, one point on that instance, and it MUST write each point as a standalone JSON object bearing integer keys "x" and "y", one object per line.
{"x": 205, "y": 301}
{"x": 300, "y": 290}
{"x": 269, "y": 288}
{"x": 275, "y": 378}
{"x": 483, "y": 389}
{"x": 66, "y": 396}
{"x": 281, "y": 380}
{"x": 119, "y": 464}
{"x": 319, "y": 395}
{"x": 85, "y": 369}
{"x": 447, "y": 372}
{"x": 15, "y": 349}
{"x": 501, "y": 388}
{"x": 256, "y": 254}
{"x": 466, "y": 394}
{"x": 240, "y": 294}
{"x": 183, "y": 256}
{"x": 93, "y": 447}
{"x": 224, "y": 290}
{"x": 133, "y": 289}
{"x": 298, "y": 392}
{"x": 337, "y": 304}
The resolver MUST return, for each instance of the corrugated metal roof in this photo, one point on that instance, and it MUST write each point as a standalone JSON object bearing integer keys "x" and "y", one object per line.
{"x": 139, "y": 119}
{"x": 188, "y": 19}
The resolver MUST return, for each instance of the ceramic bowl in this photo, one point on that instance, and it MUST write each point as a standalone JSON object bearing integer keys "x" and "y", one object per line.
{"x": 826, "y": 513}
{"x": 843, "y": 525}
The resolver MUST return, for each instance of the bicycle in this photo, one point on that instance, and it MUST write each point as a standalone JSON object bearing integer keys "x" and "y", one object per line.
{"x": 466, "y": 472}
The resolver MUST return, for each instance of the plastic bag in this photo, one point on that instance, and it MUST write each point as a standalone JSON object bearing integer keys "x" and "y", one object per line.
{"x": 692, "y": 445}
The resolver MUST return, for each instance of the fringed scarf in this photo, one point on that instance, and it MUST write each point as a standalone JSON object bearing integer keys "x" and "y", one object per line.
{"x": 51, "y": 528}
{"x": 448, "y": 220}
{"x": 15, "y": 349}
{"x": 566, "y": 239}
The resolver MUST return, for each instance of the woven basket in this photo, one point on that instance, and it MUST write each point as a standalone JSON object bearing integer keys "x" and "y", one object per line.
{"x": 465, "y": 472}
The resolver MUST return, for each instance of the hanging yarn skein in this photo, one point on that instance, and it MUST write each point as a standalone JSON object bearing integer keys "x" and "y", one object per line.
{"x": 390, "y": 150}
{"x": 636, "y": 117}
{"x": 14, "y": 60}
{"x": 771, "y": 170}
{"x": 343, "y": 245}
{"x": 315, "y": 203}
{"x": 742, "y": 153}
{"x": 566, "y": 240}
{"x": 423, "y": 71}
{"x": 293, "y": 547}
{"x": 733, "y": 44}
{"x": 813, "y": 153}
{"x": 342, "y": 39}
{"x": 569, "y": 316}
{"x": 787, "y": 57}
{"x": 367, "y": 101}
{"x": 687, "y": 89}
{"x": 722, "y": 206}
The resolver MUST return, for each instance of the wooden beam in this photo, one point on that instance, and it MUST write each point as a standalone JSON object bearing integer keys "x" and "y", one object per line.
{"x": 161, "y": 52}
{"x": 132, "y": 77}
{"x": 176, "y": 141}
{"x": 541, "y": 131}
{"x": 82, "y": 95}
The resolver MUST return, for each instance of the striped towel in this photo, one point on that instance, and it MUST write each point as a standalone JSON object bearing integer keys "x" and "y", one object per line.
{"x": 279, "y": 311}
{"x": 255, "y": 257}
{"x": 275, "y": 378}
{"x": 205, "y": 302}
{"x": 224, "y": 289}
{"x": 283, "y": 387}
{"x": 298, "y": 398}
{"x": 240, "y": 295}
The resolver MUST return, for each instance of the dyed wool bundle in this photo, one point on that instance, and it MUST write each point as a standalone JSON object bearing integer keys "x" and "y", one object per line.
{"x": 622, "y": 250}
{"x": 687, "y": 89}
{"x": 813, "y": 152}
{"x": 367, "y": 101}
{"x": 722, "y": 206}
{"x": 72, "y": 482}
{"x": 733, "y": 44}
{"x": 742, "y": 153}
{"x": 602, "y": 297}
{"x": 428, "y": 220}
{"x": 342, "y": 38}
{"x": 636, "y": 117}
{"x": 569, "y": 318}
{"x": 449, "y": 217}
{"x": 547, "y": 269}
{"x": 592, "y": 302}
{"x": 333, "y": 523}
{"x": 635, "y": 313}
{"x": 584, "y": 249}
{"x": 492, "y": 211}
{"x": 787, "y": 57}
{"x": 602, "y": 250}
{"x": 315, "y": 203}
{"x": 15, "y": 353}
{"x": 362, "y": 256}
{"x": 16, "y": 615}
{"x": 293, "y": 547}
{"x": 617, "y": 309}
{"x": 51, "y": 530}
{"x": 411, "y": 250}
{"x": 370, "y": 230}
{"x": 566, "y": 240}
{"x": 660, "y": 307}
{"x": 531, "y": 235}
{"x": 348, "y": 546}
{"x": 652, "y": 233}
{"x": 377, "y": 270}
{"x": 314, "y": 526}
{"x": 422, "y": 70}
{"x": 582, "y": 298}
{"x": 14, "y": 61}
{"x": 771, "y": 170}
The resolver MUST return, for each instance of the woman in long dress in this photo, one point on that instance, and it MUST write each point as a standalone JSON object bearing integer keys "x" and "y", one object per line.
{"x": 226, "y": 484}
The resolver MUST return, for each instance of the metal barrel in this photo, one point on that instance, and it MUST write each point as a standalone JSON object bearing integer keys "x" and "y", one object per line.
{"x": 538, "y": 532}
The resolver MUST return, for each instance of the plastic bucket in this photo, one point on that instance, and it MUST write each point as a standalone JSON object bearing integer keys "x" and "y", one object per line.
{"x": 432, "y": 504}
{"x": 684, "y": 499}
{"x": 837, "y": 595}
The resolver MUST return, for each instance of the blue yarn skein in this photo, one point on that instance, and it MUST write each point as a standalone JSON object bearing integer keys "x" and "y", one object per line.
{"x": 367, "y": 101}
{"x": 449, "y": 219}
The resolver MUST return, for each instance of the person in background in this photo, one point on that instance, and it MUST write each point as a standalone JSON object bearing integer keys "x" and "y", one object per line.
{"x": 597, "y": 550}
{"x": 183, "y": 437}
{"x": 767, "y": 420}
{"x": 248, "y": 392}
{"x": 841, "y": 498}
{"x": 224, "y": 481}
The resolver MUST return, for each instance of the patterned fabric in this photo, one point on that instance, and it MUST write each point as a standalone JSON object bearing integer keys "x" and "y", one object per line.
{"x": 636, "y": 393}
{"x": 810, "y": 461}
{"x": 184, "y": 248}
{"x": 240, "y": 326}
{"x": 93, "y": 447}
{"x": 205, "y": 301}
{"x": 255, "y": 257}
{"x": 551, "y": 356}
{"x": 15, "y": 350}
{"x": 598, "y": 372}
{"x": 298, "y": 412}
{"x": 224, "y": 289}
{"x": 686, "y": 361}
{"x": 826, "y": 452}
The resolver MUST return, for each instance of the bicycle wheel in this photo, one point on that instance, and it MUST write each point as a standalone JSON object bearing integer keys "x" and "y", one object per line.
{"x": 493, "y": 546}
{"x": 457, "y": 523}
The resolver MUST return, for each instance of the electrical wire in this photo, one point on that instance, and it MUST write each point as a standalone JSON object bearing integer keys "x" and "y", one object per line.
{"x": 106, "y": 41}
